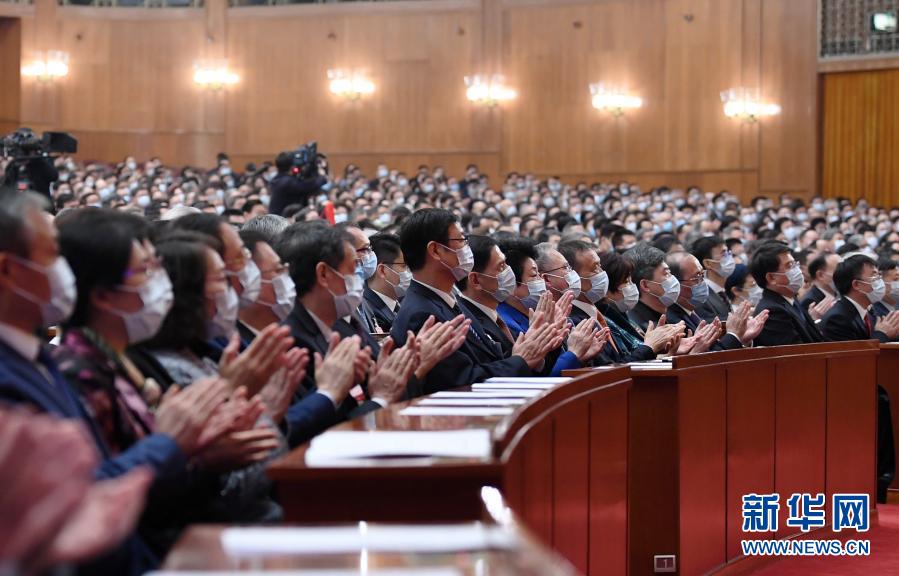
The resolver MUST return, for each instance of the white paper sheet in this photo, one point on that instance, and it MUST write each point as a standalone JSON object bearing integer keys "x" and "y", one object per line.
{"x": 455, "y": 411}
{"x": 471, "y": 401}
{"x": 338, "y": 445}
{"x": 434, "y": 539}
{"x": 491, "y": 393}
{"x": 529, "y": 380}
{"x": 650, "y": 365}
{"x": 510, "y": 386}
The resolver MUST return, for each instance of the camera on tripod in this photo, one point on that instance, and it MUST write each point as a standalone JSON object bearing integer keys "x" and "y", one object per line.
{"x": 305, "y": 161}
{"x": 30, "y": 166}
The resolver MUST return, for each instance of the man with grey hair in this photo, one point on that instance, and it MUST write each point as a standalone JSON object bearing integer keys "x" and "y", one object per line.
{"x": 658, "y": 288}
{"x": 269, "y": 225}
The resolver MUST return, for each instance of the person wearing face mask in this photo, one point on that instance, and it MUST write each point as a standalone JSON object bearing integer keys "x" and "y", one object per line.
{"x": 521, "y": 257}
{"x": 780, "y": 277}
{"x": 366, "y": 265}
{"x": 277, "y": 294}
{"x": 889, "y": 270}
{"x": 621, "y": 348}
{"x": 242, "y": 272}
{"x": 437, "y": 251}
{"x": 287, "y": 189}
{"x": 741, "y": 287}
{"x": 490, "y": 282}
{"x": 822, "y": 294}
{"x": 387, "y": 286}
{"x": 658, "y": 287}
{"x": 719, "y": 264}
{"x": 860, "y": 284}
{"x": 694, "y": 291}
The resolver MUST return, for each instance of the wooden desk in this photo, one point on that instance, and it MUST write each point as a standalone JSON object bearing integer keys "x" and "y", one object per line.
{"x": 560, "y": 460}
{"x": 200, "y": 549}
{"x": 717, "y": 426}
{"x": 888, "y": 377}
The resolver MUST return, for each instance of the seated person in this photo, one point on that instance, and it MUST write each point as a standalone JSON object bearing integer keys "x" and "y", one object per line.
{"x": 889, "y": 269}
{"x": 780, "y": 277}
{"x": 823, "y": 292}
{"x": 718, "y": 263}
{"x": 277, "y": 292}
{"x": 659, "y": 289}
{"x": 860, "y": 285}
{"x": 741, "y": 287}
{"x": 387, "y": 286}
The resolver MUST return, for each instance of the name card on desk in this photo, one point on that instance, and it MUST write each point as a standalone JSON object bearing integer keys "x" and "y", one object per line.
{"x": 417, "y": 571}
{"x": 650, "y": 365}
{"x": 339, "y": 446}
{"x": 509, "y": 386}
{"x": 469, "y": 401}
{"x": 548, "y": 381}
{"x": 490, "y": 393}
{"x": 455, "y": 411}
{"x": 430, "y": 539}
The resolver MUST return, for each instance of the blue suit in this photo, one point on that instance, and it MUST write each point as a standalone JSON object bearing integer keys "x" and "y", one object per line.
{"x": 517, "y": 322}
{"x": 477, "y": 359}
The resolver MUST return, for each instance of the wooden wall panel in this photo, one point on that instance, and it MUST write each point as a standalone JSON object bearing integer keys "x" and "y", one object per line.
{"x": 131, "y": 78}
{"x": 860, "y": 140}
{"x": 10, "y": 46}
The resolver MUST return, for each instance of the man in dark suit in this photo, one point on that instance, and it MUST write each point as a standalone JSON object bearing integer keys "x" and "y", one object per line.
{"x": 485, "y": 287}
{"x": 693, "y": 293}
{"x": 658, "y": 288}
{"x": 390, "y": 281}
{"x": 779, "y": 275}
{"x": 719, "y": 264}
{"x": 322, "y": 264}
{"x": 436, "y": 250}
{"x": 860, "y": 284}
{"x": 366, "y": 264}
{"x": 277, "y": 294}
{"x": 821, "y": 270}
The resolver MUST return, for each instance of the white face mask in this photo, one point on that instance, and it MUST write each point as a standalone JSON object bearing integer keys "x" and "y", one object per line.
{"x": 157, "y": 298}
{"x": 894, "y": 289}
{"x": 631, "y": 295}
{"x": 536, "y": 288}
{"x": 599, "y": 286}
{"x": 344, "y": 304}
{"x": 466, "y": 262}
{"x": 794, "y": 278}
{"x": 726, "y": 266}
{"x": 369, "y": 265}
{"x": 505, "y": 284}
{"x": 671, "y": 287}
{"x": 755, "y": 295}
{"x": 224, "y": 321}
{"x": 405, "y": 280}
{"x": 285, "y": 295}
{"x": 878, "y": 290}
{"x": 63, "y": 291}
{"x": 250, "y": 280}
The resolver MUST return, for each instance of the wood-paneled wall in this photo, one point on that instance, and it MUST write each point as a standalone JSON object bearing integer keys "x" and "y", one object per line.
{"x": 860, "y": 148}
{"x": 130, "y": 88}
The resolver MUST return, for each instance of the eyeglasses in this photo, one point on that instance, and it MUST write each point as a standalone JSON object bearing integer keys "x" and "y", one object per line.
{"x": 240, "y": 262}
{"x": 463, "y": 240}
{"x": 695, "y": 279}
{"x": 281, "y": 268}
{"x": 566, "y": 267}
{"x": 401, "y": 265}
{"x": 150, "y": 268}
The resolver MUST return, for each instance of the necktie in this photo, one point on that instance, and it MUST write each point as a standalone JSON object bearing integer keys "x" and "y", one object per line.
{"x": 504, "y": 329}
{"x": 602, "y": 322}
{"x": 869, "y": 324}
{"x": 695, "y": 318}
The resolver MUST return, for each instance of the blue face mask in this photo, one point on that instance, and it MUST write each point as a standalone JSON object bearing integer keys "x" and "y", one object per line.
{"x": 367, "y": 268}
{"x": 699, "y": 294}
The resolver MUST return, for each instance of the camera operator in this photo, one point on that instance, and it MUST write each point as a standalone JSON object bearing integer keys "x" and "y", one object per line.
{"x": 287, "y": 188}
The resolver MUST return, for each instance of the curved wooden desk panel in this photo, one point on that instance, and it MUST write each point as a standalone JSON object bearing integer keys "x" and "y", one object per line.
{"x": 720, "y": 425}
{"x": 560, "y": 460}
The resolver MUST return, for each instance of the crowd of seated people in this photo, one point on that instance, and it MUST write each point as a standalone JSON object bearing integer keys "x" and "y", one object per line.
{"x": 198, "y": 336}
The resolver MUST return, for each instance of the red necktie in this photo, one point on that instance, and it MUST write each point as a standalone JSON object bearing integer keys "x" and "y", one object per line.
{"x": 869, "y": 324}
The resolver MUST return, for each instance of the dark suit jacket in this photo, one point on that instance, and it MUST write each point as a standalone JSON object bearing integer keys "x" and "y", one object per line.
{"x": 379, "y": 310}
{"x": 609, "y": 355}
{"x": 311, "y": 414}
{"x": 474, "y": 362}
{"x": 491, "y": 328}
{"x": 786, "y": 324}
{"x": 677, "y": 314}
{"x": 843, "y": 322}
{"x": 881, "y": 310}
{"x": 715, "y": 307}
{"x": 611, "y": 312}
{"x": 813, "y": 296}
{"x": 642, "y": 315}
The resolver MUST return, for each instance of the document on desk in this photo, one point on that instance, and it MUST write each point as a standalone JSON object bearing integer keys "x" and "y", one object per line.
{"x": 650, "y": 365}
{"x": 471, "y": 401}
{"x": 509, "y": 386}
{"x": 490, "y": 393}
{"x": 341, "y": 446}
{"x": 416, "y": 571}
{"x": 528, "y": 380}
{"x": 456, "y": 411}
{"x": 429, "y": 539}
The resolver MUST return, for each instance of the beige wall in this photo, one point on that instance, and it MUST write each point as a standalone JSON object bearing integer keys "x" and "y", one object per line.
{"x": 130, "y": 87}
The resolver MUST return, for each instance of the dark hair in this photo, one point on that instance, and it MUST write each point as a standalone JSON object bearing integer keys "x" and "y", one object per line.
{"x": 183, "y": 255}
{"x": 422, "y": 227}
{"x": 386, "y": 247}
{"x": 735, "y": 280}
{"x": 617, "y": 267}
{"x": 252, "y": 239}
{"x": 618, "y": 235}
{"x": 250, "y": 204}
{"x": 517, "y": 250}
{"x": 646, "y": 259}
{"x": 482, "y": 248}
{"x": 97, "y": 244}
{"x": 817, "y": 264}
{"x": 702, "y": 248}
{"x": 886, "y": 264}
{"x": 731, "y": 242}
{"x": 766, "y": 259}
{"x": 302, "y": 246}
{"x": 849, "y": 270}
{"x": 284, "y": 161}
{"x": 203, "y": 223}
{"x": 848, "y": 247}
{"x": 665, "y": 241}
{"x": 571, "y": 248}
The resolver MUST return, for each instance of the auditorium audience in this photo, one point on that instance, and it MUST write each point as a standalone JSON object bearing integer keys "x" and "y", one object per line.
{"x": 209, "y": 320}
